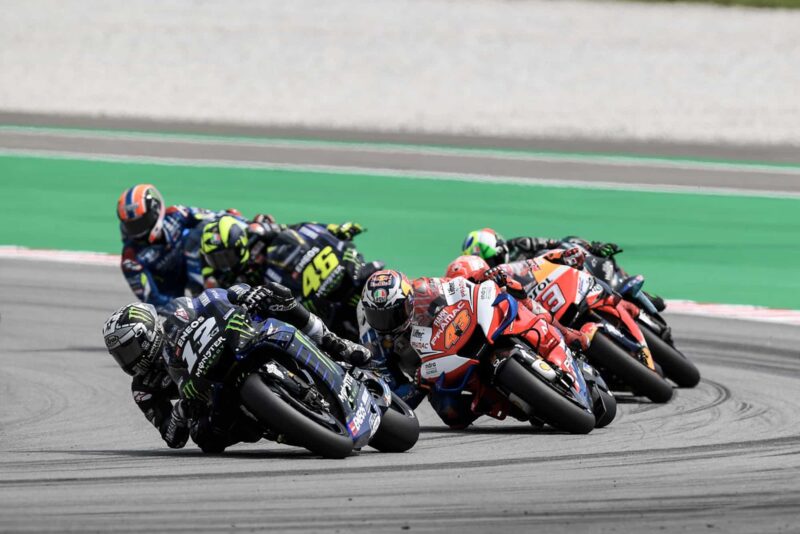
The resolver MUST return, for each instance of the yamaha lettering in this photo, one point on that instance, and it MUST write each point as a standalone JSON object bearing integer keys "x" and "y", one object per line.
{"x": 306, "y": 259}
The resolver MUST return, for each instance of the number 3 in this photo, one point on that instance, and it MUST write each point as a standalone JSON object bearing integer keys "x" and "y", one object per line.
{"x": 553, "y": 299}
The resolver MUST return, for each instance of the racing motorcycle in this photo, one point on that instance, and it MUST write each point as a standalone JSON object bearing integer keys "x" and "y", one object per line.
{"x": 326, "y": 272}
{"x": 297, "y": 393}
{"x": 619, "y": 349}
{"x": 472, "y": 337}
{"x": 675, "y": 365}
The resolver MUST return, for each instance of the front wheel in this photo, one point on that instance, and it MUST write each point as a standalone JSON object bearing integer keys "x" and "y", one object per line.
{"x": 606, "y": 355}
{"x": 399, "y": 428}
{"x": 285, "y": 416}
{"x": 675, "y": 365}
{"x": 549, "y": 405}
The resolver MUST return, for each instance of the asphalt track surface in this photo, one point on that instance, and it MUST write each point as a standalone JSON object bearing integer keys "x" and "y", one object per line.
{"x": 75, "y": 453}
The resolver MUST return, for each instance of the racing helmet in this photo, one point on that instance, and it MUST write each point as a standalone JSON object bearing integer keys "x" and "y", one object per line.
{"x": 388, "y": 301}
{"x": 487, "y": 244}
{"x": 140, "y": 210}
{"x": 224, "y": 243}
{"x": 466, "y": 266}
{"x": 134, "y": 336}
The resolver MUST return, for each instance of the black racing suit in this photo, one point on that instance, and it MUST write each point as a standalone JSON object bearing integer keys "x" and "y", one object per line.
{"x": 319, "y": 264}
{"x": 524, "y": 248}
{"x": 153, "y": 393}
{"x": 195, "y": 343}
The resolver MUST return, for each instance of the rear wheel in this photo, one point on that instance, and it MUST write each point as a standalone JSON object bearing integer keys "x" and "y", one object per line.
{"x": 549, "y": 405}
{"x": 399, "y": 428}
{"x": 606, "y": 355}
{"x": 675, "y": 365}
{"x": 301, "y": 425}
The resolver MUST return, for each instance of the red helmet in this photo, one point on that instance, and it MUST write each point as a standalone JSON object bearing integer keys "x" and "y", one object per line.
{"x": 141, "y": 211}
{"x": 466, "y": 266}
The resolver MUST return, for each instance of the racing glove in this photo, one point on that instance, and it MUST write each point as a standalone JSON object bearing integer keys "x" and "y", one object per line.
{"x": 263, "y": 218}
{"x": 604, "y": 250}
{"x": 346, "y": 231}
{"x": 175, "y": 430}
{"x": 345, "y": 350}
{"x": 572, "y": 257}
{"x": 271, "y": 297}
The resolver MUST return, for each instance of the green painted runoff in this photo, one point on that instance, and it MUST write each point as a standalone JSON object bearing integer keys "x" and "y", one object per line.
{"x": 712, "y": 248}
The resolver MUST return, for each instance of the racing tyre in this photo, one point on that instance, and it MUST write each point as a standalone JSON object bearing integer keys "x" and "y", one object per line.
{"x": 676, "y": 366}
{"x": 551, "y": 406}
{"x": 643, "y": 381}
{"x": 399, "y": 428}
{"x": 284, "y": 415}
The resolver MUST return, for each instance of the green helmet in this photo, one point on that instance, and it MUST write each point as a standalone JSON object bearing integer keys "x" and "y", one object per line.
{"x": 224, "y": 243}
{"x": 487, "y": 244}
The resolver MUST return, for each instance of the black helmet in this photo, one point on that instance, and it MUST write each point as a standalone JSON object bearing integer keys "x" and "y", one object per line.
{"x": 133, "y": 337}
{"x": 388, "y": 301}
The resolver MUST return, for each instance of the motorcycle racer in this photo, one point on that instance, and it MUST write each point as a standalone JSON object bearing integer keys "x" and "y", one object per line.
{"x": 168, "y": 361}
{"x": 160, "y": 258}
{"x": 391, "y": 305}
{"x": 492, "y": 247}
{"x": 318, "y": 262}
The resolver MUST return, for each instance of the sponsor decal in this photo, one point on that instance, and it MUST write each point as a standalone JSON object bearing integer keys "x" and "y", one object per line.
{"x": 141, "y": 396}
{"x": 456, "y": 328}
{"x": 374, "y": 423}
{"x": 306, "y": 259}
{"x": 451, "y": 288}
{"x": 358, "y": 420}
{"x": 447, "y": 315}
{"x": 180, "y": 313}
{"x": 534, "y": 292}
{"x": 346, "y": 391}
{"x": 381, "y": 280}
{"x": 131, "y": 265}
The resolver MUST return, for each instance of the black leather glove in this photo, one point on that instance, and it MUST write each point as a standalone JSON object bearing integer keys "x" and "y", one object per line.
{"x": 271, "y": 297}
{"x": 496, "y": 275}
{"x": 345, "y": 350}
{"x": 605, "y": 250}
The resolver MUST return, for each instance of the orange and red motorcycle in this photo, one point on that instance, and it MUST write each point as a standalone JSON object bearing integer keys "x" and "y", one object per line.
{"x": 477, "y": 339}
{"x": 619, "y": 350}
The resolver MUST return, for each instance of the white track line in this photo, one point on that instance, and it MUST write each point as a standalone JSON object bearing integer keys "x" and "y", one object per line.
{"x": 681, "y": 307}
{"x": 407, "y": 174}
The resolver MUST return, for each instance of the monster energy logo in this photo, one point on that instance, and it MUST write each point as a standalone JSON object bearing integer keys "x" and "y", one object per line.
{"x": 190, "y": 391}
{"x": 137, "y": 313}
{"x": 238, "y": 323}
{"x": 350, "y": 255}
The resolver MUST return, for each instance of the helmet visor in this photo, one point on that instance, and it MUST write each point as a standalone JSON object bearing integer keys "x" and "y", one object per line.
{"x": 141, "y": 226}
{"x": 223, "y": 259}
{"x": 387, "y": 320}
{"x": 128, "y": 355}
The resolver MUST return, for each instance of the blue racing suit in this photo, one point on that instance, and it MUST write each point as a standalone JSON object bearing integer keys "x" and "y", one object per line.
{"x": 158, "y": 272}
